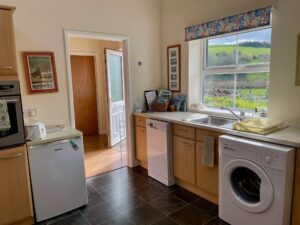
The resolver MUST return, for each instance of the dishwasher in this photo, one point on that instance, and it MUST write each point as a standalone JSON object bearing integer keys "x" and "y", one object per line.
{"x": 159, "y": 151}
{"x": 57, "y": 177}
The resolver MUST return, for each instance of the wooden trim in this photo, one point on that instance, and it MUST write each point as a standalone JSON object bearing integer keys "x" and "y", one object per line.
{"x": 28, "y": 76}
{"x": 7, "y": 7}
{"x": 179, "y": 65}
{"x": 144, "y": 165}
{"x": 298, "y": 62}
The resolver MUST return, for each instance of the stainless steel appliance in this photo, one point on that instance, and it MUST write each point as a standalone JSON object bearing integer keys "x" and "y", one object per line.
{"x": 11, "y": 94}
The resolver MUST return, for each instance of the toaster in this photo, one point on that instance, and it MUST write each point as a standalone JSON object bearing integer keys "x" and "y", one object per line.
{"x": 35, "y": 131}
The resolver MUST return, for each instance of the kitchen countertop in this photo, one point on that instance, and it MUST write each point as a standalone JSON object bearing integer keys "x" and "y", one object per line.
{"x": 65, "y": 133}
{"x": 289, "y": 136}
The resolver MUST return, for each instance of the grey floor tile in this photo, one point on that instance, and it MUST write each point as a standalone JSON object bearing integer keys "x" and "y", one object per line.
{"x": 185, "y": 195}
{"x": 190, "y": 215}
{"x": 206, "y": 206}
{"x": 165, "y": 221}
{"x": 144, "y": 215}
{"x": 150, "y": 192}
{"x": 75, "y": 219}
{"x": 168, "y": 204}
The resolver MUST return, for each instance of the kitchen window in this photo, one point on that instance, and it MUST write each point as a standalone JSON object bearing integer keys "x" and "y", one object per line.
{"x": 235, "y": 70}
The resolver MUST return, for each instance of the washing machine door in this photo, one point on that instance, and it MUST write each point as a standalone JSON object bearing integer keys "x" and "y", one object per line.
{"x": 248, "y": 185}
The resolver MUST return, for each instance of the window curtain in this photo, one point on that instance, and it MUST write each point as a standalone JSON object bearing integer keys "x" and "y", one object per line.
{"x": 253, "y": 19}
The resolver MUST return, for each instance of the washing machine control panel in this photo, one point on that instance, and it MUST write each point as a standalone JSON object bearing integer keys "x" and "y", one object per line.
{"x": 261, "y": 157}
{"x": 266, "y": 158}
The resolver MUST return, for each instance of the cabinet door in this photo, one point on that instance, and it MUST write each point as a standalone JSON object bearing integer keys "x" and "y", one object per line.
{"x": 207, "y": 177}
{"x": 7, "y": 42}
{"x": 184, "y": 159}
{"x": 15, "y": 194}
{"x": 141, "y": 144}
{"x": 296, "y": 199}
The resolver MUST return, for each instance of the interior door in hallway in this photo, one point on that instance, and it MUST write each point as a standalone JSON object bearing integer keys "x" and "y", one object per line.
{"x": 116, "y": 97}
{"x": 84, "y": 94}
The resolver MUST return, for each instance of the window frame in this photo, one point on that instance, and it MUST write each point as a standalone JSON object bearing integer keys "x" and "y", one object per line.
{"x": 234, "y": 69}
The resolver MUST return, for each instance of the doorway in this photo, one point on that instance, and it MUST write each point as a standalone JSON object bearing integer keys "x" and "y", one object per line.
{"x": 93, "y": 102}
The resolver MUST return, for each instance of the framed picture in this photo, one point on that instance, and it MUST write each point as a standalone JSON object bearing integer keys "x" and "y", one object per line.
{"x": 150, "y": 97}
{"x": 174, "y": 69}
{"x": 40, "y": 72}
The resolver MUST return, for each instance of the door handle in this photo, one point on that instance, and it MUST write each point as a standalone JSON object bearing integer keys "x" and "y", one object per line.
{"x": 11, "y": 157}
{"x": 6, "y": 67}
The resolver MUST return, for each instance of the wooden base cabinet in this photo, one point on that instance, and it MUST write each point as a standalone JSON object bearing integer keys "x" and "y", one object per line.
{"x": 141, "y": 141}
{"x": 15, "y": 192}
{"x": 184, "y": 159}
{"x": 296, "y": 197}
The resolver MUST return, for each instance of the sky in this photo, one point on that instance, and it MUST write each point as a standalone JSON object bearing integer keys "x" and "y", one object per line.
{"x": 259, "y": 35}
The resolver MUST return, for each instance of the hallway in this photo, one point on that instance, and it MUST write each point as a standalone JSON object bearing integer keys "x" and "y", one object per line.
{"x": 99, "y": 158}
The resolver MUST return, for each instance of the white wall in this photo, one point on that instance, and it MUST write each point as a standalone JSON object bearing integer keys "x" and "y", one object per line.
{"x": 39, "y": 27}
{"x": 284, "y": 96}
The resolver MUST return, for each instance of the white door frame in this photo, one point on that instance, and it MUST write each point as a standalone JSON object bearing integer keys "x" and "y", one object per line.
{"x": 127, "y": 81}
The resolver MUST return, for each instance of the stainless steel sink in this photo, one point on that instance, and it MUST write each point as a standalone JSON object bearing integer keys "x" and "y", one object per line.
{"x": 214, "y": 121}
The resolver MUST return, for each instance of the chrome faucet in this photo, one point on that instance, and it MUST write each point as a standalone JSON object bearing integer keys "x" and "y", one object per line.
{"x": 242, "y": 114}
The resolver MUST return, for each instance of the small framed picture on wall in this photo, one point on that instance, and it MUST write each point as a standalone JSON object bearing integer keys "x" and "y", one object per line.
{"x": 40, "y": 72}
{"x": 174, "y": 69}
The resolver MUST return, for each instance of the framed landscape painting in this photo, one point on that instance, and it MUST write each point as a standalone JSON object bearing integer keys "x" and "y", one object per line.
{"x": 40, "y": 72}
{"x": 174, "y": 69}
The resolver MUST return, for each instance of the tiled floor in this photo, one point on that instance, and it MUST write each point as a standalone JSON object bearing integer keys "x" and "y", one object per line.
{"x": 128, "y": 196}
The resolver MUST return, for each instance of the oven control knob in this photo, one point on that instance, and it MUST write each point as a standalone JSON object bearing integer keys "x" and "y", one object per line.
{"x": 268, "y": 159}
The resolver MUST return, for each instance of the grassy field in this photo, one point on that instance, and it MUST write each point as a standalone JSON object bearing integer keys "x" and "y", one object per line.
{"x": 247, "y": 99}
{"x": 251, "y": 90}
{"x": 221, "y": 54}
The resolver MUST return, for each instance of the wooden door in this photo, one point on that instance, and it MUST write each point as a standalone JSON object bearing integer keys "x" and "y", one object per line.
{"x": 116, "y": 97}
{"x": 7, "y": 41}
{"x": 207, "y": 177}
{"x": 85, "y": 94}
{"x": 141, "y": 144}
{"x": 184, "y": 157}
{"x": 15, "y": 194}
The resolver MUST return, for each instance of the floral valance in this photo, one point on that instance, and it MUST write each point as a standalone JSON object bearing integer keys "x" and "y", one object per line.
{"x": 243, "y": 21}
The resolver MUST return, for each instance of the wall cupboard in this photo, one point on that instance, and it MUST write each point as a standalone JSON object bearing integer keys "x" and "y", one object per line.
{"x": 8, "y": 64}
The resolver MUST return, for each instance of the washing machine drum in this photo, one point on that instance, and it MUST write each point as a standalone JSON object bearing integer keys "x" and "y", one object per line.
{"x": 248, "y": 186}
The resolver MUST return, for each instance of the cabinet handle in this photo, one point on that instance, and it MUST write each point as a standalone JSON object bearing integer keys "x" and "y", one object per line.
{"x": 6, "y": 67}
{"x": 12, "y": 156}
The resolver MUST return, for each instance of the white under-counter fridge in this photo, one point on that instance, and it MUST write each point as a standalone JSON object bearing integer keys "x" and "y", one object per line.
{"x": 57, "y": 176}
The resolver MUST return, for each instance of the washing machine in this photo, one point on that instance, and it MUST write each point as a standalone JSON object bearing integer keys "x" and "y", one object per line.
{"x": 255, "y": 182}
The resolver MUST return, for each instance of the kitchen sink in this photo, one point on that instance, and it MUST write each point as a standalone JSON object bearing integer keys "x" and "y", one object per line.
{"x": 214, "y": 121}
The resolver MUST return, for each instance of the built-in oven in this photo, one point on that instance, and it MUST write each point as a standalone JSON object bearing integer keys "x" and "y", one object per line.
{"x": 10, "y": 95}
